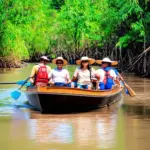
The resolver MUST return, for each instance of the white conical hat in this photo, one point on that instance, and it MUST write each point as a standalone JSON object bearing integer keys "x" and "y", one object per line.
{"x": 106, "y": 59}
{"x": 44, "y": 58}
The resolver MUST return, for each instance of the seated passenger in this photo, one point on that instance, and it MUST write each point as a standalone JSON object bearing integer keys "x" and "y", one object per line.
{"x": 39, "y": 73}
{"x": 59, "y": 76}
{"x": 83, "y": 75}
{"x": 106, "y": 74}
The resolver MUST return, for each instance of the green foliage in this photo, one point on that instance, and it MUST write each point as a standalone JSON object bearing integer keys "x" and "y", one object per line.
{"x": 134, "y": 15}
{"x": 31, "y": 27}
{"x": 24, "y": 27}
{"x": 79, "y": 24}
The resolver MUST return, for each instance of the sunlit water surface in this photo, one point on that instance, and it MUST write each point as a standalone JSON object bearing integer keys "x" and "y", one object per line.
{"x": 122, "y": 126}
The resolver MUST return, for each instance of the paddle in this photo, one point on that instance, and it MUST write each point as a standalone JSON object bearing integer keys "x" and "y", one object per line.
{"x": 16, "y": 94}
{"x": 128, "y": 88}
{"x": 21, "y": 82}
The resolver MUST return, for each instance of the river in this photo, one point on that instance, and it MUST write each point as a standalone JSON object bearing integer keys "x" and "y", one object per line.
{"x": 124, "y": 125}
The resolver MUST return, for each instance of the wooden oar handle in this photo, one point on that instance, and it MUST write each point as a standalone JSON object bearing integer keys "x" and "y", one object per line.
{"x": 131, "y": 92}
{"x": 121, "y": 78}
{"x": 8, "y": 82}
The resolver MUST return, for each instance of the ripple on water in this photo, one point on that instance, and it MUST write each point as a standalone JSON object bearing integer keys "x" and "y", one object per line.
{"x": 107, "y": 128}
{"x": 8, "y": 104}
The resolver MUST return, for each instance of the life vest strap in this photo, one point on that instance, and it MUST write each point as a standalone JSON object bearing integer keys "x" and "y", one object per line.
{"x": 106, "y": 76}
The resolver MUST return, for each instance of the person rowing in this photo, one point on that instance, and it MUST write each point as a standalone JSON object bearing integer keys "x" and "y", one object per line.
{"x": 59, "y": 76}
{"x": 106, "y": 74}
{"x": 40, "y": 72}
{"x": 83, "y": 74}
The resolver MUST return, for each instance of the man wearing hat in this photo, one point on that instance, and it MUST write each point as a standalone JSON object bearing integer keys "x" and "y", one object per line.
{"x": 59, "y": 76}
{"x": 106, "y": 74}
{"x": 40, "y": 72}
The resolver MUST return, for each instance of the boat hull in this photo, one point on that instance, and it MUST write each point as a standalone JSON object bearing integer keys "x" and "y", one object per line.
{"x": 65, "y": 99}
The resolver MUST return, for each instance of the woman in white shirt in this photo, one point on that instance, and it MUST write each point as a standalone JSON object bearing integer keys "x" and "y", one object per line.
{"x": 84, "y": 74}
{"x": 60, "y": 76}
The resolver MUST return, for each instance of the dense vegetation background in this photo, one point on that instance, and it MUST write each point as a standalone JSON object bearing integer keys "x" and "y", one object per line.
{"x": 119, "y": 29}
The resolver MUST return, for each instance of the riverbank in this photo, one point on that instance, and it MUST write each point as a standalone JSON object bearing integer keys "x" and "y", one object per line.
{"x": 11, "y": 63}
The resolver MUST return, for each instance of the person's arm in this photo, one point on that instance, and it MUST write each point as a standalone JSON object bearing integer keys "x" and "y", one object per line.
{"x": 97, "y": 75}
{"x": 120, "y": 80}
{"x": 115, "y": 77}
{"x": 74, "y": 79}
{"x": 49, "y": 69}
{"x": 33, "y": 73}
{"x": 117, "y": 81}
{"x": 95, "y": 78}
{"x": 50, "y": 77}
{"x": 75, "y": 76}
{"x": 68, "y": 77}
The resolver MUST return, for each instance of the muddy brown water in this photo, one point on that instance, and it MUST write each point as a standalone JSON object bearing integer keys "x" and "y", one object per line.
{"x": 124, "y": 125}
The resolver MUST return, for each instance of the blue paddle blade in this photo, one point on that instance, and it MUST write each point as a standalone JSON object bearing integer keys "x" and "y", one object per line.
{"x": 15, "y": 94}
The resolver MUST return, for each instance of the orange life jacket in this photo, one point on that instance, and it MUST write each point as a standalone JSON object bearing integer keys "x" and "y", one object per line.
{"x": 42, "y": 75}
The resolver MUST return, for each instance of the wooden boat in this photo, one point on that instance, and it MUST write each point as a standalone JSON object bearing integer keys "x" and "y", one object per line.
{"x": 47, "y": 99}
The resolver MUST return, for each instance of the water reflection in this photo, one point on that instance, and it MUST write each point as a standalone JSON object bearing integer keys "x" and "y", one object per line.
{"x": 110, "y": 128}
{"x": 96, "y": 130}
{"x": 106, "y": 129}
{"x": 140, "y": 110}
{"x": 51, "y": 131}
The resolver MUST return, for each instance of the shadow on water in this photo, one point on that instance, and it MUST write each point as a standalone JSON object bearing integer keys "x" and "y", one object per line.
{"x": 143, "y": 111}
{"x": 70, "y": 110}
